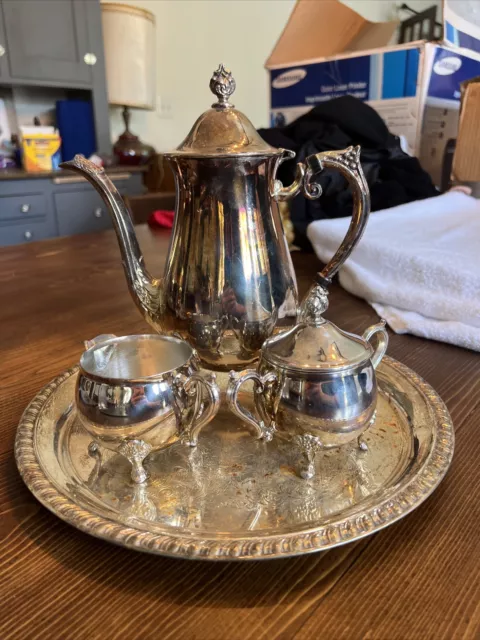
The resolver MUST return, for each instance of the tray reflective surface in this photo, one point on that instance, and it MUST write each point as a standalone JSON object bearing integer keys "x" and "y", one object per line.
{"x": 234, "y": 497}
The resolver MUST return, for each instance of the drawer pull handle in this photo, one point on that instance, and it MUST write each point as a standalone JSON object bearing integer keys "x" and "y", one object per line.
{"x": 25, "y": 208}
{"x": 98, "y": 213}
{"x": 28, "y": 235}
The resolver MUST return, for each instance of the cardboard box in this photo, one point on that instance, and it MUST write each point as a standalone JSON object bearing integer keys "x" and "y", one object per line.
{"x": 40, "y": 149}
{"x": 327, "y": 50}
{"x": 466, "y": 161}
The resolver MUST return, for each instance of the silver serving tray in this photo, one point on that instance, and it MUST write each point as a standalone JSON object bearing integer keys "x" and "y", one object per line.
{"x": 234, "y": 497}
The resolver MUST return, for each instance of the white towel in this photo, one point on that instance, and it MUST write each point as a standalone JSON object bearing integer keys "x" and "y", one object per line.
{"x": 418, "y": 265}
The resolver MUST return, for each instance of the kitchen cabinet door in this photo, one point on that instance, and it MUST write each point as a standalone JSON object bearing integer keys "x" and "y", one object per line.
{"x": 47, "y": 41}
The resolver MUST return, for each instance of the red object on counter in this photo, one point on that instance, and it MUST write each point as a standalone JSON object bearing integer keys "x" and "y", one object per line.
{"x": 163, "y": 219}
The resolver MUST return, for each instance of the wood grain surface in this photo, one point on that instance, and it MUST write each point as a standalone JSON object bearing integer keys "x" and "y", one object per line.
{"x": 417, "y": 579}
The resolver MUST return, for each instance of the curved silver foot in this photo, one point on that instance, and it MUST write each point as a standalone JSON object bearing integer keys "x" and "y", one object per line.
{"x": 309, "y": 446}
{"x": 135, "y": 451}
{"x": 308, "y": 472}
{"x": 362, "y": 445}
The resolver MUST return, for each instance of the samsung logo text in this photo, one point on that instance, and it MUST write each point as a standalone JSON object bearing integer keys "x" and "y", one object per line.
{"x": 289, "y": 78}
{"x": 447, "y": 66}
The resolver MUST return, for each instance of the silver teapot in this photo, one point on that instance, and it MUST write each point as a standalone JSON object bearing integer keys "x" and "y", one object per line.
{"x": 228, "y": 277}
{"x": 315, "y": 384}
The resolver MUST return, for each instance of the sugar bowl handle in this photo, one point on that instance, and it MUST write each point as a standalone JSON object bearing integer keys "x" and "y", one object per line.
{"x": 263, "y": 424}
{"x": 192, "y": 388}
{"x": 382, "y": 341}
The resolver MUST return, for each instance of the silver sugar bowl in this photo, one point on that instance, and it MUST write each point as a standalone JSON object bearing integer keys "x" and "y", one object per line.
{"x": 138, "y": 394}
{"x": 314, "y": 385}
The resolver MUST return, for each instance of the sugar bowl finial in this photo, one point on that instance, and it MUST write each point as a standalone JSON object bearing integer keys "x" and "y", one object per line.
{"x": 222, "y": 84}
{"x": 314, "y": 305}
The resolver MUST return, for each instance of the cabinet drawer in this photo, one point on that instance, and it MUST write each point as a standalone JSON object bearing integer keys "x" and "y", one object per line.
{"x": 28, "y": 231}
{"x": 19, "y": 207}
{"x": 81, "y": 212}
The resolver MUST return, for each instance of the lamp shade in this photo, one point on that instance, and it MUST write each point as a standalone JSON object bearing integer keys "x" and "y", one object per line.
{"x": 129, "y": 42}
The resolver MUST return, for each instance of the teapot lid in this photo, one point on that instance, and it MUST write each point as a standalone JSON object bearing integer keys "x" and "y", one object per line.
{"x": 222, "y": 130}
{"x": 315, "y": 344}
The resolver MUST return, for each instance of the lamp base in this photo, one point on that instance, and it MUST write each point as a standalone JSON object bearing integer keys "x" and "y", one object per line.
{"x": 129, "y": 149}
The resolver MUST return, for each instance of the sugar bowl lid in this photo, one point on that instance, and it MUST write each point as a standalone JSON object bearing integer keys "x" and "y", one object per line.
{"x": 222, "y": 130}
{"x": 316, "y": 344}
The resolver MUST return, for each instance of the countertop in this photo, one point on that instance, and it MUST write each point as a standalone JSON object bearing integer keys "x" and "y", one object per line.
{"x": 418, "y": 578}
{"x": 20, "y": 174}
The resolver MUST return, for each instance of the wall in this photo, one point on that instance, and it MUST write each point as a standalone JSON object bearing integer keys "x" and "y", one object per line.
{"x": 193, "y": 36}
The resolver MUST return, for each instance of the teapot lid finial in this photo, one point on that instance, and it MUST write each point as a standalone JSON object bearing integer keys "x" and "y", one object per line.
{"x": 223, "y": 131}
{"x": 222, "y": 84}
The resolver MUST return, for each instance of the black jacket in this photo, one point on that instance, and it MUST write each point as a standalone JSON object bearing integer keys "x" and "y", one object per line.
{"x": 393, "y": 176}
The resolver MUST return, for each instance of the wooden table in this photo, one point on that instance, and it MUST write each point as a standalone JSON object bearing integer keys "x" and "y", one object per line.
{"x": 416, "y": 579}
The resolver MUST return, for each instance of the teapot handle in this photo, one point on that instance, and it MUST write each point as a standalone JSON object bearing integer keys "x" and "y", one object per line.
{"x": 281, "y": 193}
{"x": 347, "y": 162}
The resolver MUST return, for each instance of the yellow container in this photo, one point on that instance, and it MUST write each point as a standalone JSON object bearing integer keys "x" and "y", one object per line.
{"x": 41, "y": 151}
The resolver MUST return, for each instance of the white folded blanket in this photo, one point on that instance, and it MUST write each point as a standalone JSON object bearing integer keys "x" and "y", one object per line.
{"x": 418, "y": 265}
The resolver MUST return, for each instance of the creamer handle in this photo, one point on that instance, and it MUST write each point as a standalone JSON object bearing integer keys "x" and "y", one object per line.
{"x": 262, "y": 430}
{"x": 203, "y": 411}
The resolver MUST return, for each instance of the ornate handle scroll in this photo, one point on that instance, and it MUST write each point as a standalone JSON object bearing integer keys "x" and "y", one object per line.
{"x": 280, "y": 192}
{"x": 202, "y": 412}
{"x": 347, "y": 162}
{"x": 261, "y": 384}
{"x": 382, "y": 341}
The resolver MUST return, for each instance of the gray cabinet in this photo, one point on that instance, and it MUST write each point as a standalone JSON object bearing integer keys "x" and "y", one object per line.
{"x": 80, "y": 212}
{"x": 47, "y": 41}
{"x": 25, "y": 205}
{"x": 63, "y": 205}
{"x": 25, "y": 212}
{"x": 57, "y": 43}
{"x": 29, "y": 231}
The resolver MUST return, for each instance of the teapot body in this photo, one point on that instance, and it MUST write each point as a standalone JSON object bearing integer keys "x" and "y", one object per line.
{"x": 229, "y": 277}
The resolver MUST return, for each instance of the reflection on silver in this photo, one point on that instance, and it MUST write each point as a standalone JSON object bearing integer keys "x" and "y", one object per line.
{"x": 139, "y": 394}
{"x": 228, "y": 278}
{"x": 234, "y": 497}
{"x": 321, "y": 391}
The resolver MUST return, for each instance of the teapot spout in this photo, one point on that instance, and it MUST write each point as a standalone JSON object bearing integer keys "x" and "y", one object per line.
{"x": 145, "y": 290}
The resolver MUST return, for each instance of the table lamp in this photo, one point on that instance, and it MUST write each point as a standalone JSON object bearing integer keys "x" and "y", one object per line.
{"x": 129, "y": 42}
